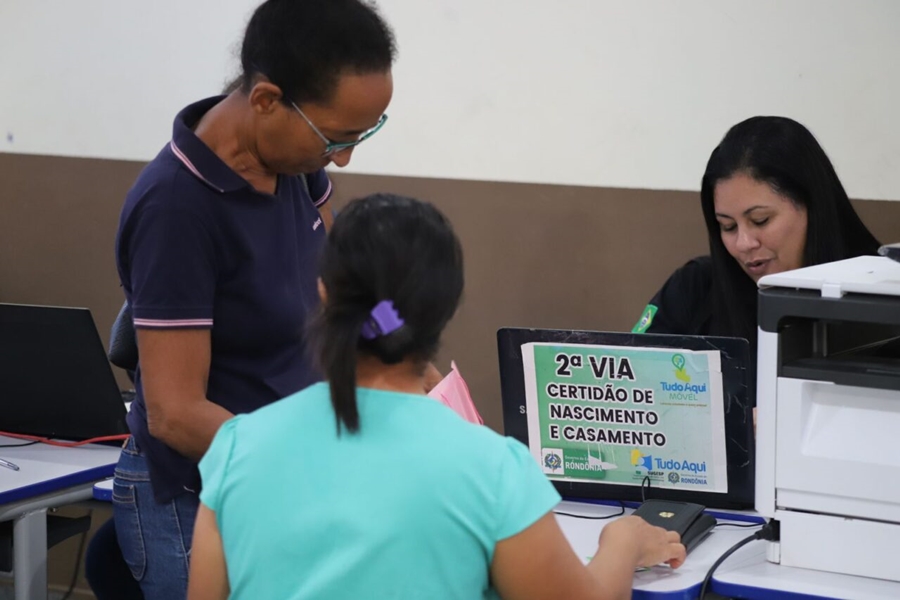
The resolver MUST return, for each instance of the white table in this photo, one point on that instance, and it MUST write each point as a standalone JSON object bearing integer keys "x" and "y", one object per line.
{"x": 657, "y": 583}
{"x": 103, "y": 490}
{"x": 747, "y": 574}
{"x": 48, "y": 477}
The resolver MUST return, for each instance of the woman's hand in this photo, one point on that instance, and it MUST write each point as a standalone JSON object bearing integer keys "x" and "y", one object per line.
{"x": 651, "y": 545}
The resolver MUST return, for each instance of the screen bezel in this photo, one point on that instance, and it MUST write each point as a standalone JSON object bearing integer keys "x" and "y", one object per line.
{"x": 738, "y": 386}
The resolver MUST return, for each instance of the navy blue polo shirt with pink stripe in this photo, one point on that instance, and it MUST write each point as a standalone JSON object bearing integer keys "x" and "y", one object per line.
{"x": 198, "y": 247}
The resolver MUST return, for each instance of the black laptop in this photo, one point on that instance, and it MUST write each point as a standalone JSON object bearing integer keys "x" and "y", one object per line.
{"x": 736, "y": 414}
{"x": 55, "y": 380}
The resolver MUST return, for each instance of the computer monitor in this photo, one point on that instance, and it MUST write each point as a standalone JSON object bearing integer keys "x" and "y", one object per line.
{"x": 622, "y": 416}
{"x": 55, "y": 380}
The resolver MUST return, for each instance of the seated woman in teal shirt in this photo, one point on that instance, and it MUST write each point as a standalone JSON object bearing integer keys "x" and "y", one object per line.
{"x": 362, "y": 487}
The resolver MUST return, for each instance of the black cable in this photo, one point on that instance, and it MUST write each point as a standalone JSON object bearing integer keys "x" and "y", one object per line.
{"x": 618, "y": 514}
{"x": 742, "y": 525}
{"x": 769, "y": 531}
{"x": 646, "y": 480}
{"x": 721, "y": 559}
{"x": 81, "y": 546}
{"x": 19, "y": 445}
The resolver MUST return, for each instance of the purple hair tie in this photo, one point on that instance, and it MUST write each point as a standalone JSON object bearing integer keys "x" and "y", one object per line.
{"x": 384, "y": 320}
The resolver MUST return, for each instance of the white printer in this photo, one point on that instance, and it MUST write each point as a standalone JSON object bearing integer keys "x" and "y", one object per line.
{"x": 828, "y": 433}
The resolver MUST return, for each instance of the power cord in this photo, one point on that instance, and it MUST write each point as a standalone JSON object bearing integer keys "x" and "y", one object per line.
{"x": 19, "y": 445}
{"x": 646, "y": 480}
{"x": 618, "y": 514}
{"x": 740, "y": 525}
{"x": 74, "y": 581}
{"x": 769, "y": 532}
{"x": 52, "y": 442}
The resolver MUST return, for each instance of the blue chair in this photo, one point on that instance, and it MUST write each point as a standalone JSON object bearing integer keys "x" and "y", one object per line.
{"x": 106, "y": 571}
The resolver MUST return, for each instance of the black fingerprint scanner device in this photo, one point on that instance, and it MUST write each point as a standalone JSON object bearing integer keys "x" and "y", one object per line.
{"x": 685, "y": 518}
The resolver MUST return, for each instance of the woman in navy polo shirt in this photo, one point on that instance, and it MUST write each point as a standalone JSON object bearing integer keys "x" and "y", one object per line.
{"x": 217, "y": 250}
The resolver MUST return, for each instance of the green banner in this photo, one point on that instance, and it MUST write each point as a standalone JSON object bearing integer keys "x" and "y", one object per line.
{"x": 619, "y": 415}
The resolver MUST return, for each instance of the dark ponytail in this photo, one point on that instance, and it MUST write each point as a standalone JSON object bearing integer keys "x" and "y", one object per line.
{"x": 338, "y": 332}
{"x": 384, "y": 249}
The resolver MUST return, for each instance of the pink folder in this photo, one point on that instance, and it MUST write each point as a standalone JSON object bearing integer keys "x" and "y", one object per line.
{"x": 452, "y": 391}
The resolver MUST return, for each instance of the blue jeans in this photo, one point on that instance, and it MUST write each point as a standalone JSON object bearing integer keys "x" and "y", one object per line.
{"x": 155, "y": 538}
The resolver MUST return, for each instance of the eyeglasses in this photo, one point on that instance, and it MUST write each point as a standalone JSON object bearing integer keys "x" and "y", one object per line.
{"x": 335, "y": 147}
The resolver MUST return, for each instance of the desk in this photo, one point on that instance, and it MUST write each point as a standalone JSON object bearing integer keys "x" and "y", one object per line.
{"x": 103, "y": 490}
{"x": 658, "y": 583}
{"x": 747, "y": 574}
{"x": 48, "y": 477}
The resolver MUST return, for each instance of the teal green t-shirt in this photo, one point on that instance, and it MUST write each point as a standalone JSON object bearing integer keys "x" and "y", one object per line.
{"x": 410, "y": 507}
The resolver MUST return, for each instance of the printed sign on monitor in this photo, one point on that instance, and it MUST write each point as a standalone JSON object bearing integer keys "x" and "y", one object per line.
{"x": 620, "y": 415}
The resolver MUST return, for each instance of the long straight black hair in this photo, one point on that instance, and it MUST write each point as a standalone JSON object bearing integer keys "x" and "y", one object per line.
{"x": 384, "y": 247}
{"x": 783, "y": 154}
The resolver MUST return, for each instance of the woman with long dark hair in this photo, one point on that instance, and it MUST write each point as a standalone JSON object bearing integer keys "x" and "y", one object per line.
{"x": 772, "y": 202}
